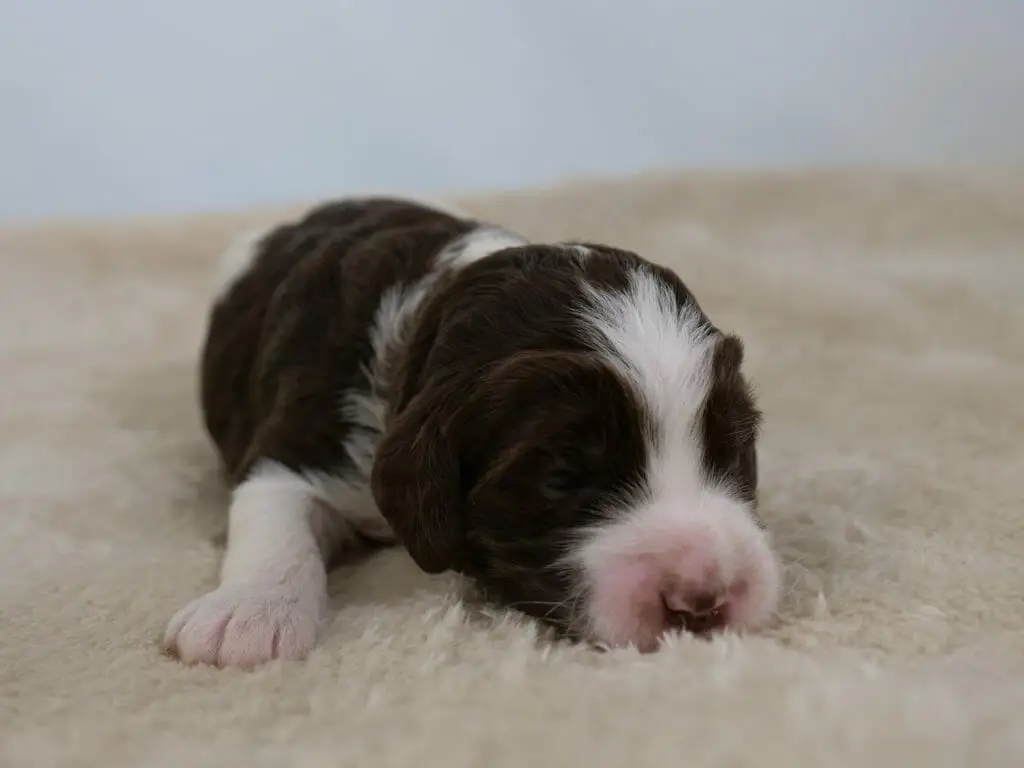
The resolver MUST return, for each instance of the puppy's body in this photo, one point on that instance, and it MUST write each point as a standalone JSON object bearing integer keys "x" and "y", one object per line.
{"x": 561, "y": 423}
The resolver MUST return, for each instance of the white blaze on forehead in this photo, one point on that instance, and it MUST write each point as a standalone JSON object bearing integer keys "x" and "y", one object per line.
{"x": 683, "y": 538}
{"x": 664, "y": 350}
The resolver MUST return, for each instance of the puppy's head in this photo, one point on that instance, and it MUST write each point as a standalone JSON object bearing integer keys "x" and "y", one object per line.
{"x": 594, "y": 465}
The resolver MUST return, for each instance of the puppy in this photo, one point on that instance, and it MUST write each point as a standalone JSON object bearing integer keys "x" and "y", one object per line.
{"x": 560, "y": 423}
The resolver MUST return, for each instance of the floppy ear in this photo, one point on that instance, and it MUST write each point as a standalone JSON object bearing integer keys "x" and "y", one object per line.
{"x": 727, "y": 359}
{"x": 416, "y": 484}
{"x": 732, "y": 420}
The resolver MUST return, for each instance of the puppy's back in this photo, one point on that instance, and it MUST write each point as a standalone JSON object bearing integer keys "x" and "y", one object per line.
{"x": 289, "y": 331}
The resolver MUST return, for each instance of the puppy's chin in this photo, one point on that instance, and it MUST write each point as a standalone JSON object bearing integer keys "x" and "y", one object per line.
{"x": 701, "y": 566}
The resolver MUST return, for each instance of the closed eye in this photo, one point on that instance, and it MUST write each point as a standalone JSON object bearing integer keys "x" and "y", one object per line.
{"x": 560, "y": 480}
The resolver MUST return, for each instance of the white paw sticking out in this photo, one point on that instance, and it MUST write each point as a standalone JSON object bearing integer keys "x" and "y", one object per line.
{"x": 273, "y": 592}
{"x": 246, "y": 624}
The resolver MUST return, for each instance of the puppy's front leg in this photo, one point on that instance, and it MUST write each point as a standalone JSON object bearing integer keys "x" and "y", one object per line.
{"x": 273, "y": 592}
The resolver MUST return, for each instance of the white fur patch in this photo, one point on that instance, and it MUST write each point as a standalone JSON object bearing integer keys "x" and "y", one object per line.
{"x": 366, "y": 411}
{"x": 478, "y": 244}
{"x": 683, "y": 540}
{"x": 577, "y": 249}
{"x": 392, "y": 321}
{"x": 663, "y": 349}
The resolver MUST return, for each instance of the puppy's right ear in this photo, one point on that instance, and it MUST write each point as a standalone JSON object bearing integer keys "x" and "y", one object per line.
{"x": 416, "y": 482}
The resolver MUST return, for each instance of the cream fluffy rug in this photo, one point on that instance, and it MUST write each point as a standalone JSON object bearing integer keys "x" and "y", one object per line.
{"x": 884, "y": 316}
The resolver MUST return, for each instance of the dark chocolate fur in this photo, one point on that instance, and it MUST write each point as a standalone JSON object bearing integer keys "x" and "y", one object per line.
{"x": 293, "y": 333}
{"x": 506, "y": 431}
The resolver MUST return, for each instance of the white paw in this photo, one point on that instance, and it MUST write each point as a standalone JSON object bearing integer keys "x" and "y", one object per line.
{"x": 244, "y": 625}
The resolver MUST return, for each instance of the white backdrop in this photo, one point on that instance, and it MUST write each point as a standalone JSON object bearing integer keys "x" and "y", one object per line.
{"x": 135, "y": 105}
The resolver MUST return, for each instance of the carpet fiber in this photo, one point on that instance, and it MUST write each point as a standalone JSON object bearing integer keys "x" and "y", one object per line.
{"x": 884, "y": 318}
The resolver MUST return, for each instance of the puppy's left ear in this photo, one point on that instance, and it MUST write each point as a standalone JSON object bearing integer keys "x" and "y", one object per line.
{"x": 731, "y": 419}
{"x": 731, "y": 399}
{"x": 727, "y": 360}
{"x": 416, "y": 481}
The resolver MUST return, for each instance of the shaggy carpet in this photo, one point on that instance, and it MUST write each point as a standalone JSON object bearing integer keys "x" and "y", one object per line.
{"x": 884, "y": 316}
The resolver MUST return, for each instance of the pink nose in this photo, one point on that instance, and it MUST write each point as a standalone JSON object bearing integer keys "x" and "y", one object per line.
{"x": 696, "y": 612}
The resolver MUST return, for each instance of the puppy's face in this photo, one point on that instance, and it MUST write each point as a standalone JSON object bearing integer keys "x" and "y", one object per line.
{"x": 604, "y": 483}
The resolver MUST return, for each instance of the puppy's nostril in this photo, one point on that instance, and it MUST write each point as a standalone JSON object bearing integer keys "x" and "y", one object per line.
{"x": 675, "y": 600}
{"x": 699, "y": 614}
{"x": 696, "y": 604}
{"x": 706, "y": 624}
{"x": 702, "y": 605}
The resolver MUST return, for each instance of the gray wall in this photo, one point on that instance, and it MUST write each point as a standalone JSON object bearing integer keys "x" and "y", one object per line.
{"x": 129, "y": 105}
